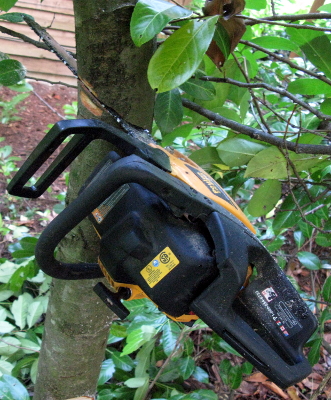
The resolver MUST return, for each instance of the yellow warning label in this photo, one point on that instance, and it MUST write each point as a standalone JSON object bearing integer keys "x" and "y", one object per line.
{"x": 159, "y": 267}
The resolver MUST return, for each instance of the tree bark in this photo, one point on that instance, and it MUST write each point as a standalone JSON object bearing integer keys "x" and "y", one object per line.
{"x": 77, "y": 323}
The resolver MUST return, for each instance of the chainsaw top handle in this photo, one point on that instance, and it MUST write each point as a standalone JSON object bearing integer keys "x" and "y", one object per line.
{"x": 84, "y": 131}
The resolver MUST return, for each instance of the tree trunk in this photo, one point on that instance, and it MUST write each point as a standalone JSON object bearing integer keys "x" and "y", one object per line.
{"x": 77, "y": 323}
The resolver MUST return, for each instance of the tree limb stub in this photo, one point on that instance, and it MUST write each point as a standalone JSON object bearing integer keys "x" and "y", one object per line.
{"x": 256, "y": 133}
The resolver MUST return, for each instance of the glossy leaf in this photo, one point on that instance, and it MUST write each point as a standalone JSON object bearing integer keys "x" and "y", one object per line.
{"x": 222, "y": 40}
{"x": 206, "y": 155}
{"x": 11, "y": 72}
{"x": 315, "y": 352}
{"x": 186, "y": 367}
{"x": 35, "y": 311}
{"x": 316, "y": 46}
{"x": 236, "y": 152}
{"x": 198, "y": 89}
{"x": 171, "y": 332}
{"x": 176, "y": 60}
{"x": 168, "y": 110}
{"x": 124, "y": 363}
{"x": 107, "y": 371}
{"x": 20, "y": 309}
{"x": 265, "y": 198}
{"x": 149, "y": 17}
{"x": 309, "y": 260}
{"x": 136, "y": 382}
{"x": 275, "y": 43}
{"x": 137, "y": 338}
{"x": 256, "y": 4}
{"x": 12, "y": 389}
{"x": 309, "y": 86}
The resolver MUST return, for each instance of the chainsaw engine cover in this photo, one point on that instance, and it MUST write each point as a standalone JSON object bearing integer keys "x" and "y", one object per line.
{"x": 144, "y": 244}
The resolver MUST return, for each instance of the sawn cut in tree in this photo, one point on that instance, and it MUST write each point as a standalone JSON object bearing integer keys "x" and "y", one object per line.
{"x": 160, "y": 218}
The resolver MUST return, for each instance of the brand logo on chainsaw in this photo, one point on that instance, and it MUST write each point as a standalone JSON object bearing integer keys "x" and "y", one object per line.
{"x": 269, "y": 294}
{"x": 164, "y": 258}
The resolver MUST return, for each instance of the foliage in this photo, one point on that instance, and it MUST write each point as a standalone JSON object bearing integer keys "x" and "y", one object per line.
{"x": 276, "y": 170}
{"x": 8, "y": 108}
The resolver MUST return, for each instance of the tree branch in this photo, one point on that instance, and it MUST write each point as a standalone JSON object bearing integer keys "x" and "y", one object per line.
{"x": 286, "y": 61}
{"x": 256, "y": 133}
{"x": 287, "y": 25}
{"x": 299, "y": 17}
{"x": 263, "y": 85}
{"x": 24, "y": 38}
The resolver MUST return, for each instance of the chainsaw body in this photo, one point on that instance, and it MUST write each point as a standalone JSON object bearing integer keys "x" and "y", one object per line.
{"x": 168, "y": 232}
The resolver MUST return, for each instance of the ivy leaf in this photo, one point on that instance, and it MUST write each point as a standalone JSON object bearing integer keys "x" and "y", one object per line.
{"x": 168, "y": 111}
{"x": 265, "y": 198}
{"x": 236, "y": 152}
{"x": 176, "y": 60}
{"x": 149, "y": 17}
{"x": 309, "y": 260}
{"x": 6, "y": 5}
{"x": 11, "y": 72}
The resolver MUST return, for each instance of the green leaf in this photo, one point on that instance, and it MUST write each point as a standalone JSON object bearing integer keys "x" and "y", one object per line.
{"x": 125, "y": 363}
{"x": 181, "y": 131}
{"x": 315, "y": 352}
{"x": 201, "y": 375}
{"x": 206, "y": 155}
{"x": 309, "y": 260}
{"x": 11, "y": 72}
{"x": 299, "y": 238}
{"x": 275, "y": 43}
{"x": 326, "y": 106}
{"x": 222, "y": 40}
{"x": 176, "y": 60}
{"x": 136, "y": 382}
{"x": 149, "y": 17}
{"x": 9, "y": 345}
{"x": 14, "y": 17}
{"x": 236, "y": 152}
{"x": 168, "y": 111}
{"x": 269, "y": 164}
{"x": 265, "y": 198}
{"x": 6, "y": 327}
{"x": 107, "y": 371}
{"x": 137, "y": 338}
{"x": 316, "y": 46}
{"x": 35, "y": 311}
{"x": 143, "y": 359}
{"x": 309, "y": 86}
{"x": 326, "y": 8}
{"x": 6, "y": 5}
{"x": 198, "y": 89}
{"x": 256, "y": 4}
{"x": 326, "y": 291}
{"x": 19, "y": 309}
{"x": 12, "y": 389}
{"x": 171, "y": 332}
{"x": 186, "y": 367}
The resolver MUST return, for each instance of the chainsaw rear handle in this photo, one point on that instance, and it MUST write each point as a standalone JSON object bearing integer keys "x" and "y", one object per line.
{"x": 84, "y": 131}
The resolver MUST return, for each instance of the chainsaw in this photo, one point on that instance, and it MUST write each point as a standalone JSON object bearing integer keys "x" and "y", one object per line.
{"x": 168, "y": 232}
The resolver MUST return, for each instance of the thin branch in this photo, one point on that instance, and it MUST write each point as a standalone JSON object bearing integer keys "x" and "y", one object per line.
{"x": 291, "y": 17}
{"x": 25, "y": 38}
{"x": 48, "y": 105}
{"x": 262, "y": 85}
{"x": 51, "y": 82}
{"x": 286, "y": 61}
{"x": 286, "y": 25}
{"x": 256, "y": 133}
